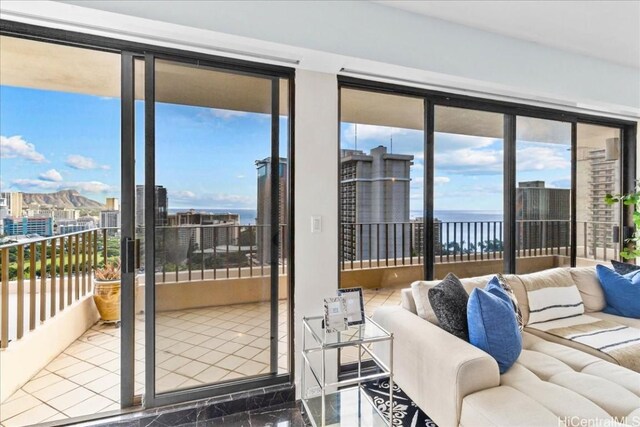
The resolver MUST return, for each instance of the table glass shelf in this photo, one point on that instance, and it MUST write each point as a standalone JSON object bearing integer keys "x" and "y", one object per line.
{"x": 343, "y": 402}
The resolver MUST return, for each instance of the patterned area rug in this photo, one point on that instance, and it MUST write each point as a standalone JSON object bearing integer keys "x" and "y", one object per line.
{"x": 405, "y": 412}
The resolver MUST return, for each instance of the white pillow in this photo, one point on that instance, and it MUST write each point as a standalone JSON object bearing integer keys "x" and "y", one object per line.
{"x": 552, "y": 303}
{"x": 420, "y": 291}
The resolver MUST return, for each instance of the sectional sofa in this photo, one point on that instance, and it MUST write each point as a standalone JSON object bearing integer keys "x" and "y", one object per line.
{"x": 555, "y": 381}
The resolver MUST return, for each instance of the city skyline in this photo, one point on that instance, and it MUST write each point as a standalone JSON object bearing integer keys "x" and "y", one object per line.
{"x": 76, "y": 146}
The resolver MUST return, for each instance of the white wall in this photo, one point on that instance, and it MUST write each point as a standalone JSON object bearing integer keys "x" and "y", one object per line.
{"x": 327, "y": 36}
{"x": 362, "y": 29}
{"x": 316, "y": 194}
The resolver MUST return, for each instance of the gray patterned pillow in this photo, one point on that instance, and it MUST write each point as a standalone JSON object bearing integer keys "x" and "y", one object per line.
{"x": 623, "y": 268}
{"x": 514, "y": 300}
{"x": 449, "y": 302}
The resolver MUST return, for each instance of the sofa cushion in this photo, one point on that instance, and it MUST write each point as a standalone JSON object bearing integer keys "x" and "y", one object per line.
{"x": 551, "y": 294}
{"x": 603, "y": 338}
{"x": 496, "y": 406}
{"x": 590, "y": 289}
{"x": 629, "y": 321}
{"x": 560, "y": 400}
{"x": 621, "y": 293}
{"x": 492, "y": 324}
{"x": 407, "y": 302}
{"x": 613, "y": 398}
{"x": 420, "y": 292}
{"x": 612, "y": 388}
{"x": 448, "y": 299}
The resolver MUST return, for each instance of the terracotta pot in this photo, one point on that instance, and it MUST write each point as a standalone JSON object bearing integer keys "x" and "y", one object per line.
{"x": 106, "y": 295}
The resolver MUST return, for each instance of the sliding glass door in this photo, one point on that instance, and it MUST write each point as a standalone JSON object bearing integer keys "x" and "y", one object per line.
{"x": 207, "y": 213}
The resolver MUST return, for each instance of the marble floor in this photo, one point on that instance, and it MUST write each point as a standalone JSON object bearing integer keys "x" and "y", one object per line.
{"x": 196, "y": 346}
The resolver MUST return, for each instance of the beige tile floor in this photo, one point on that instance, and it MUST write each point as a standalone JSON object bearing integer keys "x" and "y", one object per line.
{"x": 194, "y": 347}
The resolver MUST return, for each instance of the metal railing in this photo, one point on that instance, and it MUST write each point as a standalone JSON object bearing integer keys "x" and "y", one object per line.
{"x": 370, "y": 245}
{"x": 57, "y": 271}
{"x": 212, "y": 252}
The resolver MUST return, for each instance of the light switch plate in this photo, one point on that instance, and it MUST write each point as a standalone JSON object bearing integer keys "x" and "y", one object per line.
{"x": 316, "y": 224}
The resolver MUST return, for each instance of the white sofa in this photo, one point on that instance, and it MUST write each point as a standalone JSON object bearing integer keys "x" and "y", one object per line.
{"x": 551, "y": 384}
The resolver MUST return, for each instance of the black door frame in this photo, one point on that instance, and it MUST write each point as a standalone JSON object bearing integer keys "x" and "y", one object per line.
{"x": 511, "y": 111}
{"x": 152, "y": 397}
{"x": 130, "y": 52}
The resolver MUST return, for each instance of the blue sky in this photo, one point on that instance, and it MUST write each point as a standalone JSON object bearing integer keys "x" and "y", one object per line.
{"x": 206, "y": 157}
{"x": 468, "y": 169}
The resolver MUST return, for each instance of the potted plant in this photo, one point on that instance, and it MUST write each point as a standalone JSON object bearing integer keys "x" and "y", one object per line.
{"x": 632, "y": 248}
{"x": 106, "y": 291}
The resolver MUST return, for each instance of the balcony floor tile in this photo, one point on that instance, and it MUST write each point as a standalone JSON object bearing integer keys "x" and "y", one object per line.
{"x": 194, "y": 347}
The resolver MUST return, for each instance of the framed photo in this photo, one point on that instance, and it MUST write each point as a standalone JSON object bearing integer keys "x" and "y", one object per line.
{"x": 355, "y": 305}
{"x": 335, "y": 314}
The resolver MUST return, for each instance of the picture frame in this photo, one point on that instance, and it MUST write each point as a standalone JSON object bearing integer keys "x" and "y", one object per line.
{"x": 335, "y": 314}
{"x": 354, "y": 303}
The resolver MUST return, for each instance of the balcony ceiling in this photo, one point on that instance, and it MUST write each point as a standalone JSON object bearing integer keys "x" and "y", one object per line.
{"x": 45, "y": 66}
{"x": 404, "y": 112}
{"x": 608, "y": 30}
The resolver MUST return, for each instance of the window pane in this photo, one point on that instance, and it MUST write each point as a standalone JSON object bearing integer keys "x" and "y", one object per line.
{"x": 215, "y": 316}
{"x": 543, "y": 194}
{"x": 468, "y": 200}
{"x": 382, "y": 195}
{"x": 60, "y": 212}
{"x": 598, "y": 174}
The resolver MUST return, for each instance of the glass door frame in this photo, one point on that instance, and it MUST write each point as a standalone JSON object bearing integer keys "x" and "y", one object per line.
{"x": 131, "y": 52}
{"x": 152, "y": 398}
{"x": 510, "y": 110}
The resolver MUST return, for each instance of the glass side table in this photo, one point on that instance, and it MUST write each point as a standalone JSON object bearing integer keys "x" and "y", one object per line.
{"x": 345, "y": 403}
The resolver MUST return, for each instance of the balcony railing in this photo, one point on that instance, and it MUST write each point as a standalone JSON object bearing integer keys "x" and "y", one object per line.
{"x": 57, "y": 271}
{"x": 42, "y": 277}
{"x": 212, "y": 252}
{"x": 370, "y": 245}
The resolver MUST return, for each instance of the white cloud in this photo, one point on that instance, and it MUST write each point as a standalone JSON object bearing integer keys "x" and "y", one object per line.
{"x": 227, "y": 114}
{"x": 467, "y": 161}
{"x": 439, "y": 180}
{"x": 375, "y": 132}
{"x": 240, "y": 176}
{"x": 210, "y": 200}
{"x": 94, "y": 187}
{"x": 537, "y": 157}
{"x": 51, "y": 175}
{"x": 77, "y": 161}
{"x": 450, "y": 142}
{"x": 16, "y": 147}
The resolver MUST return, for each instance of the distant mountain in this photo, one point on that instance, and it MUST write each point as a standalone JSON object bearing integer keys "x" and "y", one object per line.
{"x": 61, "y": 199}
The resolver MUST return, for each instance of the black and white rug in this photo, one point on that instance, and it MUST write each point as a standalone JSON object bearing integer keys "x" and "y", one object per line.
{"x": 405, "y": 412}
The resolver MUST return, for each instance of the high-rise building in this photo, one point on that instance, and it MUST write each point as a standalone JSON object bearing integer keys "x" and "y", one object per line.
{"x": 263, "y": 237}
{"x": 110, "y": 219}
{"x": 14, "y": 204}
{"x": 543, "y": 216}
{"x": 217, "y": 228}
{"x": 112, "y": 204}
{"x": 65, "y": 226}
{"x": 23, "y": 226}
{"x": 374, "y": 191}
{"x": 603, "y": 172}
{"x": 161, "y": 209}
{"x": 417, "y": 237}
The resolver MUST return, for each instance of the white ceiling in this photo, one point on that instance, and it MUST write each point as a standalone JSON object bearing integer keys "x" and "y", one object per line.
{"x": 608, "y": 30}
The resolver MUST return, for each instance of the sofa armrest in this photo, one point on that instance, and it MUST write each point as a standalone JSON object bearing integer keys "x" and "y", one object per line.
{"x": 436, "y": 369}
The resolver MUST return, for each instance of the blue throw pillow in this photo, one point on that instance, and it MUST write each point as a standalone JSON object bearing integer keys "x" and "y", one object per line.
{"x": 493, "y": 326}
{"x": 622, "y": 293}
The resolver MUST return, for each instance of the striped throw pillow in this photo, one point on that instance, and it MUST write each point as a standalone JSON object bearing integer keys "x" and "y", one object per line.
{"x": 562, "y": 300}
